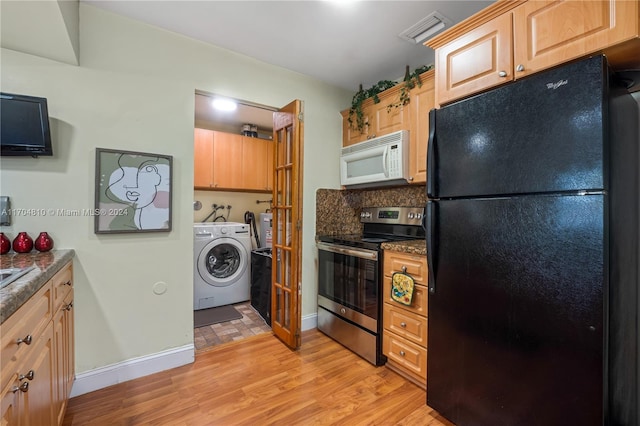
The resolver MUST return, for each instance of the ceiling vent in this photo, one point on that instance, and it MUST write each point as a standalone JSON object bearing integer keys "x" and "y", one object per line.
{"x": 425, "y": 28}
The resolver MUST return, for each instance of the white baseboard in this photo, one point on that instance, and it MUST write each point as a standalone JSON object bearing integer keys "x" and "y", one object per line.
{"x": 134, "y": 368}
{"x": 309, "y": 321}
{"x": 130, "y": 369}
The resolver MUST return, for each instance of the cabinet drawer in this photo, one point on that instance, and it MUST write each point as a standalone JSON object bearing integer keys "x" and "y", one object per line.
{"x": 405, "y": 324}
{"x": 29, "y": 320}
{"x": 415, "y": 265}
{"x": 61, "y": 283}
{"x": 419, "y": 303}
{"x": 408, "y": 355}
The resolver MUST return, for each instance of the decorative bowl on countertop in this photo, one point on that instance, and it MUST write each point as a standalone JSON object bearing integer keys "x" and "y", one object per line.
{"x": 22, "y": 243}
{"x": 5, "y": 243}
{"x": 44, "y": 242}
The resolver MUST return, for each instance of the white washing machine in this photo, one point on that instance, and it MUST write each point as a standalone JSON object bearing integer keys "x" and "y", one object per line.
{"x": 222, "y": 272}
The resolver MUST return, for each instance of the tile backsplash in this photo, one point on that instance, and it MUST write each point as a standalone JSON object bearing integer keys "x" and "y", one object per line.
{"x": 338, "y": 211}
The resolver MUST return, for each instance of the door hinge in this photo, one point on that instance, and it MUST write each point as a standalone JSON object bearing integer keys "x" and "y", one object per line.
{"x": 299, "y": 225}
{"x": 301, "y": 117}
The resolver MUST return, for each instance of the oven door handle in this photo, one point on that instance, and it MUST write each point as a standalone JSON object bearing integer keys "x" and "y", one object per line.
{"x": 349, "y": 251}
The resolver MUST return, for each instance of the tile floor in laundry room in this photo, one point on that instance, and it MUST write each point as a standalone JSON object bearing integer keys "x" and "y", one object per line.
{"x": 250, "y": 324}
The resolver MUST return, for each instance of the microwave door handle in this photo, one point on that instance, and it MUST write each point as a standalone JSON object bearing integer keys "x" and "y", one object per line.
{"x": 385, "y": 166}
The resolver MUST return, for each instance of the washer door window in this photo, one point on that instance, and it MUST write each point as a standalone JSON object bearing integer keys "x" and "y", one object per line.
{"x": 222, "y": 262}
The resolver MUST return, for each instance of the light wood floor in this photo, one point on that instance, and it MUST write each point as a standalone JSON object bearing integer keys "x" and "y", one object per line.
{"x": 258, "y": 381}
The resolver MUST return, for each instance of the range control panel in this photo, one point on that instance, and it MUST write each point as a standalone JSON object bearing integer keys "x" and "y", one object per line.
{"x": 393, "y": 215}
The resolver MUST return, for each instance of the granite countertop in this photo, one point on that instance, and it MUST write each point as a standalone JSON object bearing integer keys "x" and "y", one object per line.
{"x": 418, "y": 247}
{"x": 45, "y": 265}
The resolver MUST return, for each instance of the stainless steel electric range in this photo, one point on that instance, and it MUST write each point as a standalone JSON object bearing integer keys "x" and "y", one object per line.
{"x": 350, "y": 278}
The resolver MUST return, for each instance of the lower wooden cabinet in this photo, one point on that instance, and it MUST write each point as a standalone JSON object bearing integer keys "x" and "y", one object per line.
{"x": 404, "y": 337}
{"x": 38, "y": 371}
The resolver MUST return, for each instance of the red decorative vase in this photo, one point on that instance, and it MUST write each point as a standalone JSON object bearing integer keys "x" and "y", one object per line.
{"x": 44, "y": 242}
{"x": 5, "y": 244}
{"x": 22, "y": 243}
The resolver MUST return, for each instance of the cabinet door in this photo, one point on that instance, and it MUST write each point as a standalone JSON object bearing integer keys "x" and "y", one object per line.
{"x": 579, "y": 28}
{"x": 10, "y": 404}
{"x": 478, "y": 60}
{"x": 405, "y": 324}
{"x": 270, "y": 165}
{"x": 227, "y": 160}
{"x": 203, "y": 158}
{"x": 254, "y": 163}
{"x": 350, "y": 135}
{"x": 422, "y": 101}
{"x": 387, "y": 118}
{"x": 36, "y": 405}
{"x": 412, "y": 264}
{"x": 63, "y": 356}
{"x": 408, "y": 355}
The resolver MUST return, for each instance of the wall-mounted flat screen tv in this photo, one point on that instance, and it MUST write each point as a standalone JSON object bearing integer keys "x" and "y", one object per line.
{"x": 24, "y": 126}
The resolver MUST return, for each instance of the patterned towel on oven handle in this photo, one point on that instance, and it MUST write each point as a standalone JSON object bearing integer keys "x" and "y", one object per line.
{"x": 402, "y": 288}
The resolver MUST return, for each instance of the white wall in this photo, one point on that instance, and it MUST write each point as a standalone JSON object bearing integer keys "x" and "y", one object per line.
{"x": 134, "y": 90}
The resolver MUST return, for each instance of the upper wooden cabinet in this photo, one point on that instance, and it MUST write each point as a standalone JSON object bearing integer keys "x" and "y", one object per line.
{"x": 379, "y": 118}
{"x": 479, "y": 60}
{"x": 422, "y": 101}
{"x": 512, "y": 39}
{"x": 351, "y": 135}
{"x": 227, "y": 161}
{"x": 202, "y": 158}
{"x": 414, "y": 117}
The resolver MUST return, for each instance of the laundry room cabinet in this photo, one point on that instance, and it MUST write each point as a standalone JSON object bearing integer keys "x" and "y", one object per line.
{"x": 231, "y": 162}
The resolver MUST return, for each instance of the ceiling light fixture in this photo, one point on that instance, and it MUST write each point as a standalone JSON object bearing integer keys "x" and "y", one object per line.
{"x": 222, "y": 104}
{"x": 425, "y": 28}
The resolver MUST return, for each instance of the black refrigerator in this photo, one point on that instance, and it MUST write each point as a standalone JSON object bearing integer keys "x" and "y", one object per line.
{"x": 532, "y": 247}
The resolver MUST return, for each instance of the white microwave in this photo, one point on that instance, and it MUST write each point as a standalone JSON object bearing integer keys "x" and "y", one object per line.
{"x": 377, "y": 162}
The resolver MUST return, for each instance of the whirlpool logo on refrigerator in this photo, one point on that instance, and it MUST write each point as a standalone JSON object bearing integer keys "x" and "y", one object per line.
{"x": 557, "y": 84}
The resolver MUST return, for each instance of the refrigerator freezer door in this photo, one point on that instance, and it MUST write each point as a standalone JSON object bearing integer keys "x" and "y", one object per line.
{"x": 543, "y": 134}
{"x": 516, "y": 326}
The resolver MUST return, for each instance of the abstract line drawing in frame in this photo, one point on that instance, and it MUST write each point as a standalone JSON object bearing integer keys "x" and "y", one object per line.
{"x": 133, "y": 192}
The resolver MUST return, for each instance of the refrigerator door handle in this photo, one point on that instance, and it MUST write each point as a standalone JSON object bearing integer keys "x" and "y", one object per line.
{"x": 429, "y": 221}
{"x": 431, "y": 184}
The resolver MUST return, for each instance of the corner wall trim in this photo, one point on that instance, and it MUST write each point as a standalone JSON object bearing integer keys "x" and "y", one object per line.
{"x": 309, "y": 321}
{"x": 130, "y": 369}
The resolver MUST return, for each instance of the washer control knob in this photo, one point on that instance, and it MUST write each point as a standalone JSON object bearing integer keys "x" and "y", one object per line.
{"x": 223, "y": 230}
{"x": 412, "y": 215}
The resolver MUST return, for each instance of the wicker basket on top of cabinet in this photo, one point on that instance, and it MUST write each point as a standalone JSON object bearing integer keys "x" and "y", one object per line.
{"x": 404, "y": 338}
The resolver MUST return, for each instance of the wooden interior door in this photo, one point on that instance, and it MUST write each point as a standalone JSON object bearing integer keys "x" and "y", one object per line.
{"x": 287, "y": 224}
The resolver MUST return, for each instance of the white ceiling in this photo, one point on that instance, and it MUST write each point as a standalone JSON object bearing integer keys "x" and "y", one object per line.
{"x": 344, "y": 43}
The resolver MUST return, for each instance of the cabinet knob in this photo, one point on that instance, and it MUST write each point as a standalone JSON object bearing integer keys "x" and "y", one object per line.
{"x": 520, "y": 68}
{"x": 27, "y": 340}
{"x": 410, "y": 178}
{"x": 402, "y": 353}
{"x": 502, "y": 73}
{"x": 404, "y": 269}
{"x": 403, "y": 324}
{"x": 29, "y": 376}
{"x": 24, "y": 386}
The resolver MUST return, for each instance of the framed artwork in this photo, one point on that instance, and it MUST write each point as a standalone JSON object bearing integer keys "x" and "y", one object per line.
{"x": 133, "y": 192}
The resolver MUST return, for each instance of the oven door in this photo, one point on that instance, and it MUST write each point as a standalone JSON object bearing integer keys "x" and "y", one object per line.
{"x": 348, "y": 283}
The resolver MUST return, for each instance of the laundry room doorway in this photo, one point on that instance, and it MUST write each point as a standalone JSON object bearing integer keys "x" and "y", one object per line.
{"x": 269, "y": 186}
